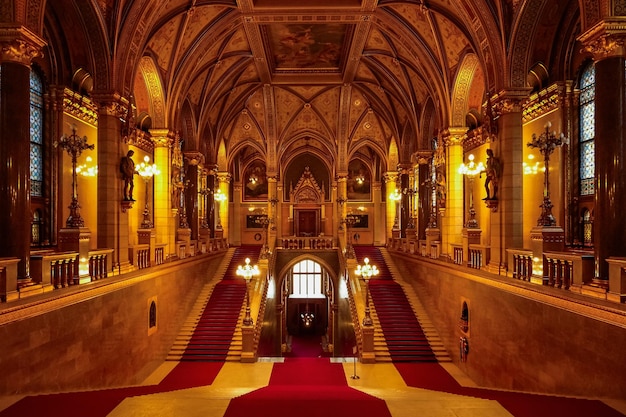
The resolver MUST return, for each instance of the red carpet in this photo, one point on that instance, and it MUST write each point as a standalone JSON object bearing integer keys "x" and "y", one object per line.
{"x": 403, "y": 334}
{"x": 101, "y": 403}
{"x": 214, "y": 332}
{"x": 433, "y": 377}
{"x": 307, "y": 387}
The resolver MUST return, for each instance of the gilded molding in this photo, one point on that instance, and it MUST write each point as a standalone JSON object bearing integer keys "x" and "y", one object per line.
{"x": 509, "y": 101}
{"x": 422, "y": 157}
{"x": 193, "y": 157}
{"x": 606, "y": 39}
{"x": 20, "y": 45}
{"x": 544, "y": 101}
{"x": 80, "y": 107}
{"x": 390, "y": 176}
{"x": 162, "y": 138}
{"x": 224, "y": 177}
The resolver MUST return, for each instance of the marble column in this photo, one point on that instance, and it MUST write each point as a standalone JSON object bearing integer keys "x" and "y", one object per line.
{"x": 222, "y": 207}
{"x": 506, "y": 222}
{"x": 113, "y": 212}
{"x": 606, "y": 42}
{"x": 391, "y": 182}
{"x": 18, "y": 48}
{"x": 453, "y": 220}
{"x": 163, "y": 219}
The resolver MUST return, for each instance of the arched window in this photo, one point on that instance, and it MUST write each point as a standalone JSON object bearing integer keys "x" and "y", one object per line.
{"x": 36, "y": 135}
{"x": 306, "y": 279}
{"x": 587, "y": 130}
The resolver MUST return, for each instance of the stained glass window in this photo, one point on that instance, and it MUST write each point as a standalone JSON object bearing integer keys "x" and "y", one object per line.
{"x": 587, "y": 130}
{"x": 36, "y": 135}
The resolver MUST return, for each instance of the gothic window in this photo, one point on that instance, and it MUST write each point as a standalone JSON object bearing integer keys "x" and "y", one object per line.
{"x": 36, "y": 135}
{"x": 306, "y": 278}
{"x": 587, "y": 130}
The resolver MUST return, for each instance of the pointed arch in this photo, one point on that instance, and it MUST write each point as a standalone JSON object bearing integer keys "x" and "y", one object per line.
{"x": 461, "y": 91}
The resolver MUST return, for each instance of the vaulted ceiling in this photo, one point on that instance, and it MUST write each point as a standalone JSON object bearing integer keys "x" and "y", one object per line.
{"x": 344, "y": 76}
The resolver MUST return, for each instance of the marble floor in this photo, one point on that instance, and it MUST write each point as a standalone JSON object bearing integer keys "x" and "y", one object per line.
{"x": 380, "y": 380}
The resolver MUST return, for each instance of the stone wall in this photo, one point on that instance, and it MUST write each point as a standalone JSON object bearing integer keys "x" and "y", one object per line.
{"x": 84, "y": 338}
{"x": 524, "y": 336}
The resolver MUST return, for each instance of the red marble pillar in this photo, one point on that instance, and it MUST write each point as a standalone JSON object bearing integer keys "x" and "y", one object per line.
{"x": 15, "y": 215}
{"x": 609, "y": 225}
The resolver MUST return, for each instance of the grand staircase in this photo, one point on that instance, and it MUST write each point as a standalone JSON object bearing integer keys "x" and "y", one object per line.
{"x": 402, "y": 332}
{"x": 213, "y": 330}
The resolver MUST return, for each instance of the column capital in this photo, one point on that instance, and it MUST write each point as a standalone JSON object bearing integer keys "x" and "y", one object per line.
{"x": 162, "y": 138}
{"x": 19, "y": 45}
{"x": 111, "y": 104}
{"x": 422, "y": 157}
{"x": 605, "y": 39}
{"x": 454, "y": 135}
{"x": 509, "y": 101}
{"x": 224, "y": 177}
{"x": 193, "y": 157}
{"x": 390, "y": 176}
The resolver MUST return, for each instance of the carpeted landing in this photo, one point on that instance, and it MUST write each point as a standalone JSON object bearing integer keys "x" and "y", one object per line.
{"x": 307, "y": 387}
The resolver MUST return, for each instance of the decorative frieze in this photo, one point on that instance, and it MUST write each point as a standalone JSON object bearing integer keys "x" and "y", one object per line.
{"x": 19, "y": 45}
{"x": 80, "y": 107}
{"x": 544, "y": 101}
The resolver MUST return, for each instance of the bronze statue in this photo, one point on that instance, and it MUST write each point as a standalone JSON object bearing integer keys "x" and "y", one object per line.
{"x": 493, "y": 169}
{"x": 127, "y": 168}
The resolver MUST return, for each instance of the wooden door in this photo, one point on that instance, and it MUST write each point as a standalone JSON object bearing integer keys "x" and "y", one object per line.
{"x": 307, "y": 223}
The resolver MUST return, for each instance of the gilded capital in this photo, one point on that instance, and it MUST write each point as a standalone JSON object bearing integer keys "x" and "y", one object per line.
{"x": 605, "y": 39}
{"x": 19, "y": 45}
{"x": 390, "y": 176}
{"x": 162, "y": 138}
{"x": 509, "y": 101}
{"x": 193, "y": 157}
{"x": 422, "y": 157}
{"x": 224, "y": 177}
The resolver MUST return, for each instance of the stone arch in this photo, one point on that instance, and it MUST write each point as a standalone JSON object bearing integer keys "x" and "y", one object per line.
{"x": 154, "y": 89}
{"x": 461, "y": 91}
{"x": 522, "y": 41}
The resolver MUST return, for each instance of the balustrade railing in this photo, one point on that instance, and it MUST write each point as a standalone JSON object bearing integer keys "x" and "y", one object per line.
{"x": 99, "y": 263}
{"x": 478, "y": 256}
{"x": 521, "y": 263}
{"x": 59, "y": 270}
{"x": 140, "y": 255}
{"x": 307, "y": 243}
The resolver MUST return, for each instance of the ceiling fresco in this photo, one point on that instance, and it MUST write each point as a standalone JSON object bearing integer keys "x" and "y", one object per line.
{"x": 348, "y": 73}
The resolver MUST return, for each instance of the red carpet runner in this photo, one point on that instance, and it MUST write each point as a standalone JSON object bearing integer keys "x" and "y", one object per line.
{"x": 404, "y": 336}
{"x": 307, "y": 387}
{"x": 214, "y": 331}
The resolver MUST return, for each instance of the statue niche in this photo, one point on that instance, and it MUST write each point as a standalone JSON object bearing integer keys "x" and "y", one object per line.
{"x": 307, "y": 198}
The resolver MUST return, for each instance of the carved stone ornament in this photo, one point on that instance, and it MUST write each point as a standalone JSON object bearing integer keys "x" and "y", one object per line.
{"x": 19, "y": 45}
{"x": 605, "y": 39}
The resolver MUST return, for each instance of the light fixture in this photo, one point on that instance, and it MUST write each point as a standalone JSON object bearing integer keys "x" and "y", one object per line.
{"x": 547, "y": 142}
{"x": 471, "y": 170}
{"x": 396, "y": 196}
{"x": 74, "y": 145}
{"x": 218, "y": 197}
{"x": 366, "y": 272}
{"x": 248, "y": 271}
{"x": 147, "y": 170}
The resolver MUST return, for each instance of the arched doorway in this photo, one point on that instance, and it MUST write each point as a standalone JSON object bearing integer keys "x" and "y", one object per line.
{"x": 307, "y": 299}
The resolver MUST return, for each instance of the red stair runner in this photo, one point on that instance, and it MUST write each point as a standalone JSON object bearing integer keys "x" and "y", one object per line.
{"x": 404, "y": 335}
{"x": 214, "y": 332}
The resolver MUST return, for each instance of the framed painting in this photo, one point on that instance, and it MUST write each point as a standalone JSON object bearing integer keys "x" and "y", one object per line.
{"x": 255, "y": 180}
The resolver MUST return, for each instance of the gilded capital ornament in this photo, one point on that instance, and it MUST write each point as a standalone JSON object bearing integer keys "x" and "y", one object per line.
{"x": 19, "y": 45}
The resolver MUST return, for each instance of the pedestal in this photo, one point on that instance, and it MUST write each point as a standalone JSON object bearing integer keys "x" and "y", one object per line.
{"x": 184, "y": 235}
{"x": 205, "y": 236}
{"x": 367, "y": 354}
{"x": 248, "y": 354}
{"x": 617, "y": 279}
{"x": 8, "y": 279}
{"x": 147, "y": 237}
{"x": 471, "y": 236}
{"x": 546, "y": 239}
{"x": 77, "y": 239}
